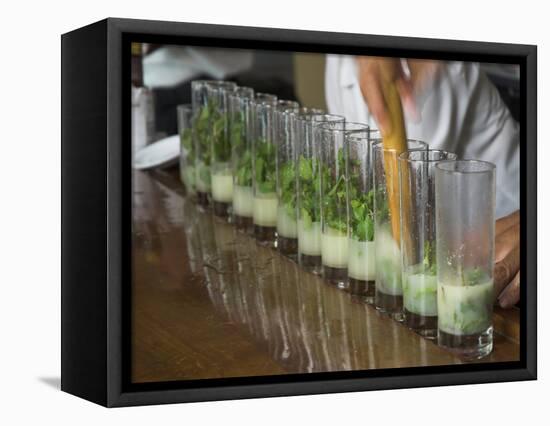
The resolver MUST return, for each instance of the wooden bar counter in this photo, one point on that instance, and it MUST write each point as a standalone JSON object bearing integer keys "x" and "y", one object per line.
{"x": 208, "y": 302}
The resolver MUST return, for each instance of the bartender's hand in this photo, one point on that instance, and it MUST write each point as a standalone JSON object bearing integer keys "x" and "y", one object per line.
{"x": 374, "y": 70}
{"x": 507, "y": 260}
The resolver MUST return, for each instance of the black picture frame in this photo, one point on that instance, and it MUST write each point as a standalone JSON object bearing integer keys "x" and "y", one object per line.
{"x": 96, "y": 179}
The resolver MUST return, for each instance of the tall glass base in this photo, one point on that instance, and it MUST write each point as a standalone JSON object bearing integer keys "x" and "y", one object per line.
{"x": 468, "y": 347}
{"x": 287, "y": 246}
{"x": 310, "y": 263}
{"x": 390, "y": 304}
{"x": 265, "y": 235}
{"x": 202, "y": 199}
{"x": 221, "y": 209}
{"x": 243, "y": 223}
{"x": 336, "y": 276}
{"x": 426, "y": 326}
{"x": 363, "y": 289}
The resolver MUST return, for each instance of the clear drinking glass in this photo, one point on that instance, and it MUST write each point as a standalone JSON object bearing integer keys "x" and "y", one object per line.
{"x": 418, "y": 245}
{"x": 187, "y": 150}
{"x": 287, "y": 226}
{"x": 242, "y": 134}
{"x": 387, "y": 226}
{"x": 264, "y": 210}
{"x": 220, "y": 147}
{"x": 334, "y": 227}
{"x": 308, "y": 186}
{"x": 360, "y": 204}
{"x": 465, "y": 236}
{"x": 202, "y": 113}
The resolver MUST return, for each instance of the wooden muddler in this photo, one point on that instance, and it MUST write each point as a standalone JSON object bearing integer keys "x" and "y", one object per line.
{"x": 394, "y": 143}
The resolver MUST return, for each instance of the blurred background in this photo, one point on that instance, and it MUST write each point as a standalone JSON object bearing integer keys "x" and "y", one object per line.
{"x": 162, "y": 75}
{"x": 165, "y": 73}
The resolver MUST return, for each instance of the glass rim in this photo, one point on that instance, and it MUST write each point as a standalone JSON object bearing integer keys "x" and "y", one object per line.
{"x": 404, "y": 156}
{"x": 242, "y": 92}
{"x": 264, "y": 98}
{"x": 307, "y": 112}
{"x": 214, "y": 83}
{"x": 311, "y": 110}
{"x": 486, "y": 166}
{"x": 286, "y": 107}
{"x": 203, "y": 82}
{"x": 378, "y": 145}
{"x": 371, "y": 130}
{"x": 357, "y": 137}
{"x": 328, "y": 126}
{"x": 223, "y": 88}
{"x": 318, "y": 118}
{"x": 285, "y": 103}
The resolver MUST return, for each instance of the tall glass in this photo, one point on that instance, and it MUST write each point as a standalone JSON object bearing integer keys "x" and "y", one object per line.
{"x": 264, "y": 211}
{"x": 220, "y": 147}
{"x": 334, "y": 227}
{"x": 308, "y": 185}
{"x": 418, "y": 244}
{"x": 360, "y": 205}
{"x": 465, "y": 236}
{"x": 287, "y": 226}
{"x": 187, "y": 149}
{"x": 202, "y": 113}
{"x": 242, "y": 135}
{"x": 389, "y": 289}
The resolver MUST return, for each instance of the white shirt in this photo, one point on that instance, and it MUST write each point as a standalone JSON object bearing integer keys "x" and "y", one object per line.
{"x": 462, "y": 112}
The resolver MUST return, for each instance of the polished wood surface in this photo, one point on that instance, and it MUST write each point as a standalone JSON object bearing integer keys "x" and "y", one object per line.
{"x": 208, "y": 302}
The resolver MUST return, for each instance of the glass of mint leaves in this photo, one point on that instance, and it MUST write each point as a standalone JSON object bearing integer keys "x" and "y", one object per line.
{"x": 187, "y": 149}
{"x": 308, "y": 187}
{"x": 203, "y": 120}
{"x": 240, "y": 133}
{"x": 360, "y": 205}
{"x": 221, "y": 177}
{"x": 287, "y": 141}
{"x": 333, "y": 138}
{"x": 418, "y": 245}
{"x": 387, "y": 242}
{"x": 465, "y": 235}
{"x": 264, "y": 205}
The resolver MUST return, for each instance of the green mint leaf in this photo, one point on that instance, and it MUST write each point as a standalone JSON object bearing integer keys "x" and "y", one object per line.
{"x": 259, "y": 168}
{"x": 306, "y": 170}
{"x": 266, "y": 187}
{"x": 306, "y": 219}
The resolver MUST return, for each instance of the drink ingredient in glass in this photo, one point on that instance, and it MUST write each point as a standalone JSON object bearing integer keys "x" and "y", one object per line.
{"x": 206, "y": 123}
{"x": 242, "y": 134}
{"x": 264, "y": 212}
{"x": 465, "y": 235}
{"x": 308, "y": 186}
{"x": 220, "y": 146}
{"x": 334, "y": 219}
{"x": 389, "y": 288}
{"x": 360, "y": 205}
{"x": 418, "y": 243}
{"x": 287, "y": 232}
{"x": 187, "y": 149}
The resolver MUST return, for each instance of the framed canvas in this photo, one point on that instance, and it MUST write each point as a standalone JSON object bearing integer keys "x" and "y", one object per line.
{"x": 254, "y": 212}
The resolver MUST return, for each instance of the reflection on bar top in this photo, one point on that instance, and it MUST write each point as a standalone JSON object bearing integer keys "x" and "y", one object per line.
{"x": 290, "y": 316}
